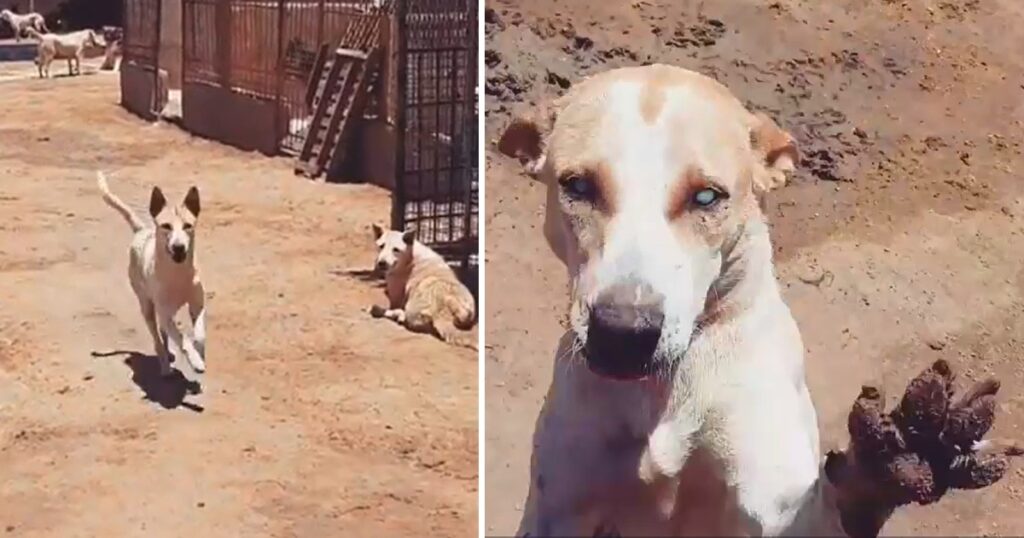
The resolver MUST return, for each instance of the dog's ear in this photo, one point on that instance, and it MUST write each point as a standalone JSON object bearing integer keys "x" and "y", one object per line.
{"x": 523, "y": 139}
{"x": 192, "y": 201}
{"x": 377, "y": 230}
{"x": 777, "y": 148}
{"x": 409, "y": 236}
{"x": 157, "y": 202}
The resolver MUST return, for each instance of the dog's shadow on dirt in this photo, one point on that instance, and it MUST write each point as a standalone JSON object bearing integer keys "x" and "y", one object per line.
{"x": 362, "y": 275}
{"x": 169, "y": 392}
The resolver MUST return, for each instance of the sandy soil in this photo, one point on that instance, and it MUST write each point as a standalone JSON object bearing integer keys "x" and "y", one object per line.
{"x": 907, "y": 206}
{"x": 313, "y": 419}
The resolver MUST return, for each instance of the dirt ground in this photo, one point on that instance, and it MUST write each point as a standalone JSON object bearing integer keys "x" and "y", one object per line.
{"x": 312, "y": 420}
{"x": 898, "y": 241}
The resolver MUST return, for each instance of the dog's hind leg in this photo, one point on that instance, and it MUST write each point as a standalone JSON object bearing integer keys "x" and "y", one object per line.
{"x": 447, "y": 330}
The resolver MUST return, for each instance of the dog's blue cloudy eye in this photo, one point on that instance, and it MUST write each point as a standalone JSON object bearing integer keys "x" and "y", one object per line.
{"x": 579, "y": 186}
{"x": 705, "y": 197}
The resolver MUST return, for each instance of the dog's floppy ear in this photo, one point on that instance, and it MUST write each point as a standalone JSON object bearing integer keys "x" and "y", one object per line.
{"x": 192, "y": 200}
{"x": 377, "y": 230}
{"x": 523, "y": 139}
{"x": 409, "y": 236}
{"x": 777, "y": 148}
{"x": 157, "y": 202}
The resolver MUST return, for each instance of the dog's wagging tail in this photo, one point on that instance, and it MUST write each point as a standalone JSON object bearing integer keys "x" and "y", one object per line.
{"x": 113, "y": 201}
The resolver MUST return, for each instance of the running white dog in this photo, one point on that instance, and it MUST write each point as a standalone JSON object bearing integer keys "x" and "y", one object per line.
{"x": 164, "y": 274}
{"x": 691, "y": 416}
{"x": 19, "y": 23}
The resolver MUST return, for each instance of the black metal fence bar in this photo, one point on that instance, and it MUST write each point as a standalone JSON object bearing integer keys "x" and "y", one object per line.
{"x": 265, "y": 49}
{"x": 437, "y": 189}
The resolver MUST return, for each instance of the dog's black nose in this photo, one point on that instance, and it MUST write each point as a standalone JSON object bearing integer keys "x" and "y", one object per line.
{"x": 178, "y": 252}
{"x": 624, "y": 329}
{"x": 382, "y": 266}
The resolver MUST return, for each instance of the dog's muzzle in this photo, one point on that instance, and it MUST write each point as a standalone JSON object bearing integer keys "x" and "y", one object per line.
{"x": 382, "y": 266}
{"x": 623, "y": 332}
{"x": 178, "y": 253}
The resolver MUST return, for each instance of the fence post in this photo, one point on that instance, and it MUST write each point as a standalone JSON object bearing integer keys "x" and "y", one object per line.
{"x": 321, "y": 8}
{"x": 156, "y": 96}
{"x": 279, "y": 129}
{"x": 398, "y": 193}
{"x": 470, "y": 132}
{"x": 222, "y": 25}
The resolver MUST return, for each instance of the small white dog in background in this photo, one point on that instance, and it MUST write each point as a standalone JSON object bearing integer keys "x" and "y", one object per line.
{"x": 70, "y": 47}
{"x": 20, "y": 23}
{"x": 424, "y": 295}
{"x": 164, "y": 274}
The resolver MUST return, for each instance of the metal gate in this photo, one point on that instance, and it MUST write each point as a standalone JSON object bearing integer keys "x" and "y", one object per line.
{"x": 436, "y": 189}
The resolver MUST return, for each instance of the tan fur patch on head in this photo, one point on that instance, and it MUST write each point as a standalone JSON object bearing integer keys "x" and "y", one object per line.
{"x": 652, "y": 100}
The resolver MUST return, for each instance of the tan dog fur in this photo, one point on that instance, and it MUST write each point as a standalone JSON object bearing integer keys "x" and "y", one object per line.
{"x": 424, "y": 295}
{"x": 692, "y": 447}
{"x": 164, "y": 274}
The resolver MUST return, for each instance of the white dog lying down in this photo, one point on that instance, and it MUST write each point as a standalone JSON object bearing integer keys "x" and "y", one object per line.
{"x": 20, "y": 23}
{"x": 424, "y": 295}
{"x": 70, "y": 47}
{"x": 678, "y": 404}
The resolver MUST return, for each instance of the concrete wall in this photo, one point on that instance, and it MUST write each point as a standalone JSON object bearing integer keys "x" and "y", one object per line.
{"x": 371, "y": 157}
{"x": 229, "y": 117}
{"x": 137, "y": 88}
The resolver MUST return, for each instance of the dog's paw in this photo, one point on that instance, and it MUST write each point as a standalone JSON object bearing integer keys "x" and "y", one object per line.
{"x": 377, "y": 311}
{"x": 197, "y": 364}
{"x": 926, "y": 446}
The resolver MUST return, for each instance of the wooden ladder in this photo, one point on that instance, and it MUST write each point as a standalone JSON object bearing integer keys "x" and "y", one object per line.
{"x": 337, "y": 93}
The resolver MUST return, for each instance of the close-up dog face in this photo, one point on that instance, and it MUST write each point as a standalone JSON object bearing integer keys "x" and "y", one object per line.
{"x": 652, "y": 173}
{"x": 175, "y": 226}
{"x": 393, "y": 247}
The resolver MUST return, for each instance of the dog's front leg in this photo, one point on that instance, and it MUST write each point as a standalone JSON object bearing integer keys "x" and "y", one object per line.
{"x": 197, "y": 311}
{"x": 159, "y": 339}
{"x": 180, "y": 344}
{"x": 395, "y": 314}
{"x": 556, "y": 504}
{"x": 570, "y": 468}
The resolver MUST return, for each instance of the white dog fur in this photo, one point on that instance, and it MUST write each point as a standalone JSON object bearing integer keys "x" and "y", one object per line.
{"x": 19, "y": 23}
{"x": 164, "y": 273}
{"x": 721, "y": 436}
{"x": 70, "y": 47}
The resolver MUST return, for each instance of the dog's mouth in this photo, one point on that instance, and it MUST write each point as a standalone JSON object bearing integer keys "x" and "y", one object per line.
{"x": 619, "y": 359}
{"x": 178, "y": 256}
